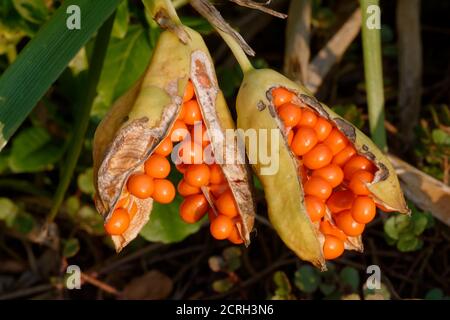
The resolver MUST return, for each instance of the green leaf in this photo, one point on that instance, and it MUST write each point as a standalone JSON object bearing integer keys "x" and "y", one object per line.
{"x": 351, "y": 113}
{"x": 222, "y": 285}
{"x": 84, "y": 107}
{"x": 89, "y": 220}
{"x": 44, "y": 59}
{"x": 4, "y": 162}
{"x": 33, "y": 150}
{"x": 34, "y": 11}
{"x": 121, "y": 21}
{"x": 165, "y": 224}
{"x": 441, "y": 137}
{"x": 307, "y": 279}
{"x": 232, "y": 256}
{"x": 376, "y": 294}
{"x": 8, "y": 209}
{"x": 435, "y": 294}
{"x": 283, "y": 285}
{"x": 408, "y": 243}
{"x": 396, "y": 225}
{"x": 327, "y": 288}
{"x": 350, "y": 276}
{"x": 199, "y": 24}
{"x": 71, "y": 247}
{"x": 23, "y": 223}
{"x": 85, "y": 182}
{"x": 72, "y": 205}
{"x": 125, "y": 61}
{"x": 420, "y": 222}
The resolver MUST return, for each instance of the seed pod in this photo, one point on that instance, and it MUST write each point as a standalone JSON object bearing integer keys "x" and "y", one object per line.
{"x": 141, "y": 120}
{"x": 320, "y": 155}
{"x": 257, "y": 108}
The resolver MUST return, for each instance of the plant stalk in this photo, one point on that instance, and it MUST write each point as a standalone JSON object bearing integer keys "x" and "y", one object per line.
{"x": 81, "y": 125}
{"x": 373, "y": 70}
{"x": 237, "y": 51}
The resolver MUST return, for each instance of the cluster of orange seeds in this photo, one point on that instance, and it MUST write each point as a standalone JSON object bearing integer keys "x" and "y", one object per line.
{"x": 196, "y": 175}
{"x": 333, "y": 175}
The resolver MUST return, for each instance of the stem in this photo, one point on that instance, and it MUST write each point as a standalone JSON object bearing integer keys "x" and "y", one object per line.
{"x": 154, "y": 6}
{"x": 373, "y": 70}
{"x": 81, "y": 125}
{"x": 179, "y": 3}
{"x": 237, "y": 50}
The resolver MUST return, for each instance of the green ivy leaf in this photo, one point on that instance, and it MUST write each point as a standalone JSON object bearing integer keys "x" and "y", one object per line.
{"x": 33, "y": 150}
{"x": 350, "y": 277}
{"x": 165, "y": 224}
{"x": 34, "y": 11}
{"x": 71, "y": 247}
{"x": 408, "y": 243}
{"x": 85, "y": 182}
{"x": 307, "y": 279}
{"x": 121, "y": 20}
{"x": 125, "y": 61}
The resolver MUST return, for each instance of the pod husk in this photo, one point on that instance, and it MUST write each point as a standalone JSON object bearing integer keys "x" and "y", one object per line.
{"x": 283, "y": 190}
{"x": 144, "y": 116}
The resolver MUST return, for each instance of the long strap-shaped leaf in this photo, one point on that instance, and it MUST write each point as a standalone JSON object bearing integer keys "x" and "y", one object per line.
{"x": 44, "y": 58}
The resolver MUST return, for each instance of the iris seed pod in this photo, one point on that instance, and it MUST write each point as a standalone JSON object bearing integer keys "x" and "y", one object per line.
{"x": 141, "y": 119}
{"x": 268, "y": 100}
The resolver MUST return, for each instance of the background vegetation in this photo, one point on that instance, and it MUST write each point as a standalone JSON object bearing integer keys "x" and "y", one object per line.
{"x": 47, "y": 217}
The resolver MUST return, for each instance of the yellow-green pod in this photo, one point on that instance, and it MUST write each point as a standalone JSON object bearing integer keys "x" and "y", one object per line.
{"x": 141, "y": 119}
{"x": 283, "y": 187}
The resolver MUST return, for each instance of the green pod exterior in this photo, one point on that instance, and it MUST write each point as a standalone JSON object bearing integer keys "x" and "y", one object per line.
{"x": 284, "y": 193}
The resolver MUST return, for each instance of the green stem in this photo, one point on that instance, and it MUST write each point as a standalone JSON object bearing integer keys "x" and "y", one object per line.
{"x": 81, "y": 125}
{"x": 238, "y": 52}
{"x": 373, "y": 70}
{"x": 179, "y": 3}
{"x": 156, "y": 5}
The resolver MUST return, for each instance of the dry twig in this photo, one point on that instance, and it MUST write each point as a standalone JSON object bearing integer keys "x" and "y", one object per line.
{"x": 297, "y": 51}
{"x": 210, "y": 13}
{"x": 333, "y": 51}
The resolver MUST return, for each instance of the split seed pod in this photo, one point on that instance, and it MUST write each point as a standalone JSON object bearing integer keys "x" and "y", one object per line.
{"x": 283, "y": 190}
{"x": 141, "y": 119}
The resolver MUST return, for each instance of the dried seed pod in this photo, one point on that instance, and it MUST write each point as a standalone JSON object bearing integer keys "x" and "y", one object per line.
{"x": 141, "y": 120}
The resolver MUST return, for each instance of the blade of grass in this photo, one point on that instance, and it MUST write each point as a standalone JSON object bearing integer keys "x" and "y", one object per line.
{"x": 371, "y": 40}
{"x": 43, "y": 59}
{"x": 82, "y": 121}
